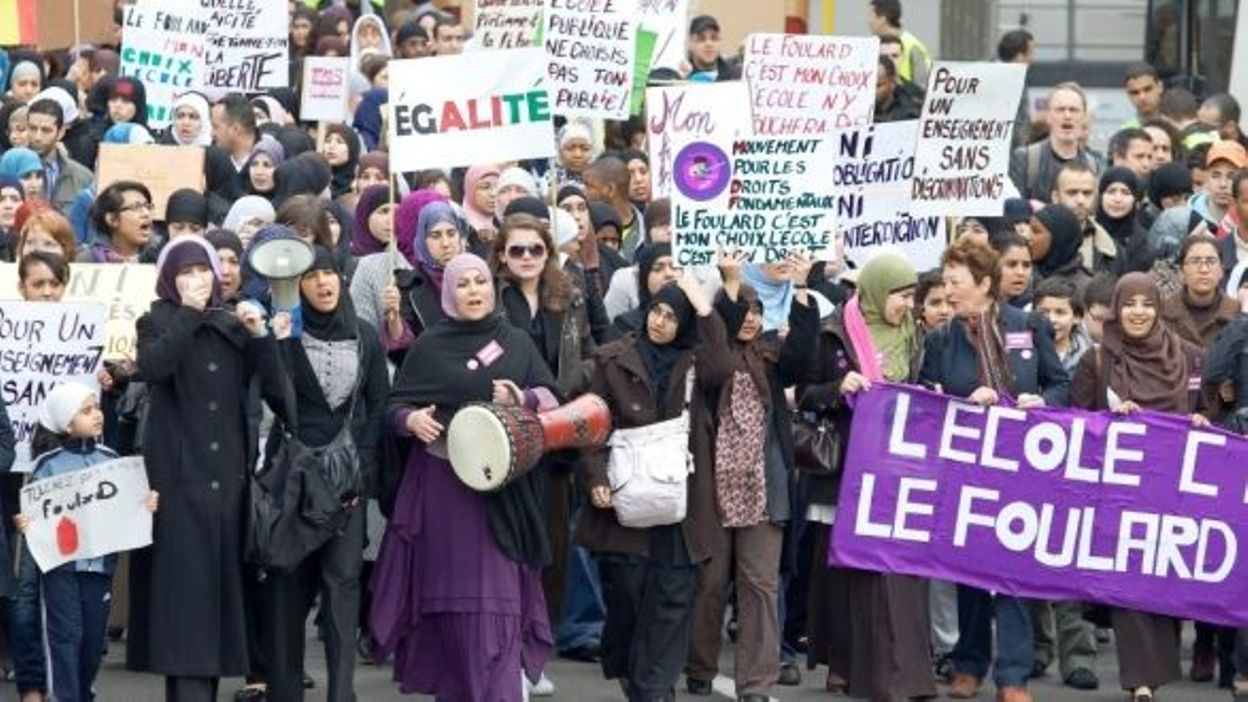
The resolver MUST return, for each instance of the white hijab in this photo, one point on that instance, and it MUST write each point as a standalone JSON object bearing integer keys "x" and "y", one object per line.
{"x": 196, "y": 102}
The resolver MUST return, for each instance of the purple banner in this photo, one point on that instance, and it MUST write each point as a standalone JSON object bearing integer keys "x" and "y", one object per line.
{"x": 1141, "y": 512}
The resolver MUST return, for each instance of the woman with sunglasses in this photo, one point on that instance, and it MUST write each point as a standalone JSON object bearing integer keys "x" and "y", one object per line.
{"x": 536, "y": 297}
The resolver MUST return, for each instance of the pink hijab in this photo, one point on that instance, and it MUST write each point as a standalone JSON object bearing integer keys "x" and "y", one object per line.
{"x": 479, "y": 219}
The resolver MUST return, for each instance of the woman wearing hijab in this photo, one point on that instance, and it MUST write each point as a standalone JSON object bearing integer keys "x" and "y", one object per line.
{"x": 247, "y": 216}
{"x": 374, "y": 222}
{"x": 367, "y": 116}
{"x": 409, "y": 306}
{"x": 197, "y": 359}
{"x": 871, "y": 629}
{"x": 1055, "y": 241}
{"x": 24, "y": 166}
{"x": 753, "y": 467}
{"x": 987, "y": 353}
{"x": 459, "y": 571}
{"x": 11, "y": 198}
{"x": 340, "y": 382}
{"x": 375, "y": 266}
{"x": 127, "y": 101}
{"x": 576, "y": 146}
{"x": 192, "y": 121}
{"x": 342, "y": 152}
{"x": 775, "y": 284}
{"x": 1118, "y": 212}
{"x": 258, "y": 172}
{"x": 479, "y": 184}
{"x": 26, "y": 77}
{"x": 655, "y": 268}
{"x": 649, "y": 575}
{"x": 369, "y": 32}
{"x": 1142, "y": 364}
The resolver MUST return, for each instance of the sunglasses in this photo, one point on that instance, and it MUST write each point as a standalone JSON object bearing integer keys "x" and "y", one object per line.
{"x": 518, "y": 251}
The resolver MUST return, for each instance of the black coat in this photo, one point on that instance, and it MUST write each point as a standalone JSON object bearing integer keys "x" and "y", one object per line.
{"x": 317, "y": 422}
{"x": 950, "y": 360}
{"x": 186, "y": 589}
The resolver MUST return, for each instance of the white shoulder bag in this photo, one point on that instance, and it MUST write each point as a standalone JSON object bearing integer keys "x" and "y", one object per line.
{"x": 649, "y": 469}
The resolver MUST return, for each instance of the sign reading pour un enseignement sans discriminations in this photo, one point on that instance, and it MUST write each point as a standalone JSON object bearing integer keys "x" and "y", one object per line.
{"x": 1143, "y": 512}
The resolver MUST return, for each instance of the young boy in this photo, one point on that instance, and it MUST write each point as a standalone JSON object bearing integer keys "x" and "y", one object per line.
{"x": 1058, "y": 301}
{"x": 931, "y": 302}
{"x": 1098, "y": 299}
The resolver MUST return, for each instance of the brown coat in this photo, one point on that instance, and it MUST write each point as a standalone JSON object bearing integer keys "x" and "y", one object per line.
{"x": 620, "y": 377}
{"x": 1176, "y": 316}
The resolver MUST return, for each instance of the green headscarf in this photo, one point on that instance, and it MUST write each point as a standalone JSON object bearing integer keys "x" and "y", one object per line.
{"x": 884, "y": 274}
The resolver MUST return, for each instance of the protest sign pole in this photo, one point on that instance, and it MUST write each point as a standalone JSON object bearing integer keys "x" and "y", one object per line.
{"x": 320, "y": 135}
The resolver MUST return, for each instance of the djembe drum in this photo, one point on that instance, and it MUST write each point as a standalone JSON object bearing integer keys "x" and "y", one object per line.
{"x": 491, "y": 445}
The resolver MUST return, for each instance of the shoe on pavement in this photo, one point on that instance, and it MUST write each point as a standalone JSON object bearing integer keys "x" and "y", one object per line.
{"x": 251, "y": 693}
{"x": 1082, "y": 679}
{"x": 790, "y": 675}
{"x": 1013, "y": 693}
{"x": 543, "y": 688}
{"x": 701, "y": 688}
{"x": 1142, "y": 694}
{"x": 964, "y": 687}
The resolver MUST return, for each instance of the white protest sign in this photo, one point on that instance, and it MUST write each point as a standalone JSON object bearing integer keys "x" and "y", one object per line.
{"x": 680, "y": 115}
{"x": 88, "y": 513}
{"x": 810, "y": 84}
{"x": 483, "y": 107}
{"x": 766, "y": 197}
{"x": 247, "y": 41}
{"x": 324, "y": 88}
{"x": 591, "y": 48}
{"x": 669, "y": 20}
{"x": 963, "y": 150}
{"x": 871, "y": 170}
{"x": 44, "y": 344}
{"x": 167, "y": 62}
{"x": 508, "y": 24}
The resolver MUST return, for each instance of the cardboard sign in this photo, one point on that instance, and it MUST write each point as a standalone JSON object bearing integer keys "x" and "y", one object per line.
{"x": 168, "y": 63}
{"x": 483, "y": 107}
{"x": 810, "y": 84}
{"x": 680, "y": 115}
{"x": 591, "y": 49}
{"x": 163, "y": 169}
{"x": 669, "y": 21}
{"x": 508, "y": 24}
{"x": 126, "y": 290}
{"x": 88, "y": 513}
{"x": 963, "y": 150}
{"x": 44, "y": 344}
{"x": 1139, "y": 511}
{"x": 871, "y": 170}
{"x": 324, "y": 88}
{"x": 247, "y": 41}
{"x": 765, "y": 197}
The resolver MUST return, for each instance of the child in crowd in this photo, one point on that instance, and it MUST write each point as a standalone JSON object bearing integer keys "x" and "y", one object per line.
{"x": 1057, "y": 300}
{"x": 76, "y": 595}
{"x": 931, "y": 302}
{"x": 1097, "y": 301}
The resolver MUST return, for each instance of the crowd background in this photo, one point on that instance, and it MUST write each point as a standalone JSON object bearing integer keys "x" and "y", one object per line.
{"x": 529, "y": 284}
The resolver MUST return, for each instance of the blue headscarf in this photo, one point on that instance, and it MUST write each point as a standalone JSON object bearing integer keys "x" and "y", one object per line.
{"x": 19, "y": 161}
{"x": 4, "y": 67}
{"x": 776, "y": 296}
{"x": 368, "y": 116}
{"x": 127, "y": 133}
{"x": 431, "y": 214}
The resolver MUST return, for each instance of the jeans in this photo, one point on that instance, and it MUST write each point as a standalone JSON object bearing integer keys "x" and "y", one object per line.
{"x": 583, "y": 610}
{"x": 1015, "y": 640}
{"x": 26, "y": 627}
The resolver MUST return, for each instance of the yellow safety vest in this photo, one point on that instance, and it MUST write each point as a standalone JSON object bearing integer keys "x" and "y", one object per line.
{"x": 909, "y": 45}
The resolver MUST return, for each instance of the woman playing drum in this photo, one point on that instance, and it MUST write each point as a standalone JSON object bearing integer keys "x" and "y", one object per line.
{"x": 459, "y": 572}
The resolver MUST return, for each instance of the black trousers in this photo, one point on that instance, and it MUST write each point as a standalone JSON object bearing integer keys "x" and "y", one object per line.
{"x": 649, "y": 611}
{"x": 334, "y": 572}
{"x": 191, "y": 689}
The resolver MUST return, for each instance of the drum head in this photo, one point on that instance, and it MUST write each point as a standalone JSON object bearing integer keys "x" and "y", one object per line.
{"x": 479, "y": 448}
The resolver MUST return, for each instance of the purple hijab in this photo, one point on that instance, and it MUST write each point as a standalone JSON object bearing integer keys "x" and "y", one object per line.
{"x": 406, "y": 218}
{"x": 364, "y": 243}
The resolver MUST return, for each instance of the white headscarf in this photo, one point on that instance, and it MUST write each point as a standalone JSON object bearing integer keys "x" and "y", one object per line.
{"x": 355, "y": 43}
{"x": 199, "y": 103}
{"x": 247, "y": 208}
{"x": 61, "y": 404}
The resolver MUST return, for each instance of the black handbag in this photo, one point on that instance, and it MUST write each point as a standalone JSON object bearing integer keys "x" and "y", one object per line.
{"x": 816, "y": 445}
{"x": 298, "y": 502}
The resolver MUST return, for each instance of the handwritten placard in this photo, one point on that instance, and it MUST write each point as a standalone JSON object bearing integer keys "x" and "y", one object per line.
{"x": 508, "y": 24}
{"x": 680, "y": 115}
{"x": 590, "y": 48}
{"x": 88, "y": 513}
{"x": 324, "y": 88}
{"x": 168, "y": 62}
{"x": 765, "y": 197}
{"x": 871, "y": 170}
{"x": 669, "y": 21}
{"x": 163, "y": 169}
{"x": 963, "y": 149}
{"x": 459, "y": 110}
{"x": 246, "y": 45}
{"x": 810, "y": 84}
{"x": 44, "y": 344}
{"x": 126, "y": 290}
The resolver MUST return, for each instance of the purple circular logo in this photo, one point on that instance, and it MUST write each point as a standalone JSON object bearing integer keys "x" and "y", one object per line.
{"x": 701, "y": 171}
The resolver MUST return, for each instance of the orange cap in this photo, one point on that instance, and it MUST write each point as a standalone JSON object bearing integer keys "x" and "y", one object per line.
{"x": 1227, "y": 151}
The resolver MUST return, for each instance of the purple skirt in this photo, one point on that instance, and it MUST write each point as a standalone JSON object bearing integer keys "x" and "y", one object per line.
{"x": 460, "y": 618}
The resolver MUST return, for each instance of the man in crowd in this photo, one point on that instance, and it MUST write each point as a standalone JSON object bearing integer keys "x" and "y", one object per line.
{"x": 63, "y": 177}
{"x": 448, "y": 37}
{"x": 1034, "y": 168}
{"x": 1132, "y": 148}
{"x": 894, "y": 101}
{"x": 1180, "y": 108}
{"x": 1222, "y": 112}
{"x": 607, "y": 179}
{"x": 234, "y": 128}
{"x": 1214, "y": 204}
{"x": 705, "y": 61}
{"x": 1144, "y": 87}
{"x": 1075, "y": 188}
{"x": 884, "y": 17}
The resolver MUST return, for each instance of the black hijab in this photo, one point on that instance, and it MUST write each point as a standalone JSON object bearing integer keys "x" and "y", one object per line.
{"x": 1066, "y": 238}
{"x": 341, "y": 323}
{"x": 661, "y": 358}
{"x": 344, "y": 175}
{"x": 1120, "y": 229}
{"x": 647, "y": 256}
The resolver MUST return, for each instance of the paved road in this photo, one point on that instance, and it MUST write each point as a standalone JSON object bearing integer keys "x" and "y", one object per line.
{"x": 580, "y": 682}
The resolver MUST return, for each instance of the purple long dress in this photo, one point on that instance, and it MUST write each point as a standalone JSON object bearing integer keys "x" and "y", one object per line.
{"x": 461, "y": 619}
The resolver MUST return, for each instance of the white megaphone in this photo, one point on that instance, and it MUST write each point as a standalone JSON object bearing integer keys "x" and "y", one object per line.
{"x": 282, "y": 260}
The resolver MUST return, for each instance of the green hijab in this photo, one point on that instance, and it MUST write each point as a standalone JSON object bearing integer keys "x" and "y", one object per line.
{"x": 883, "y": 275}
